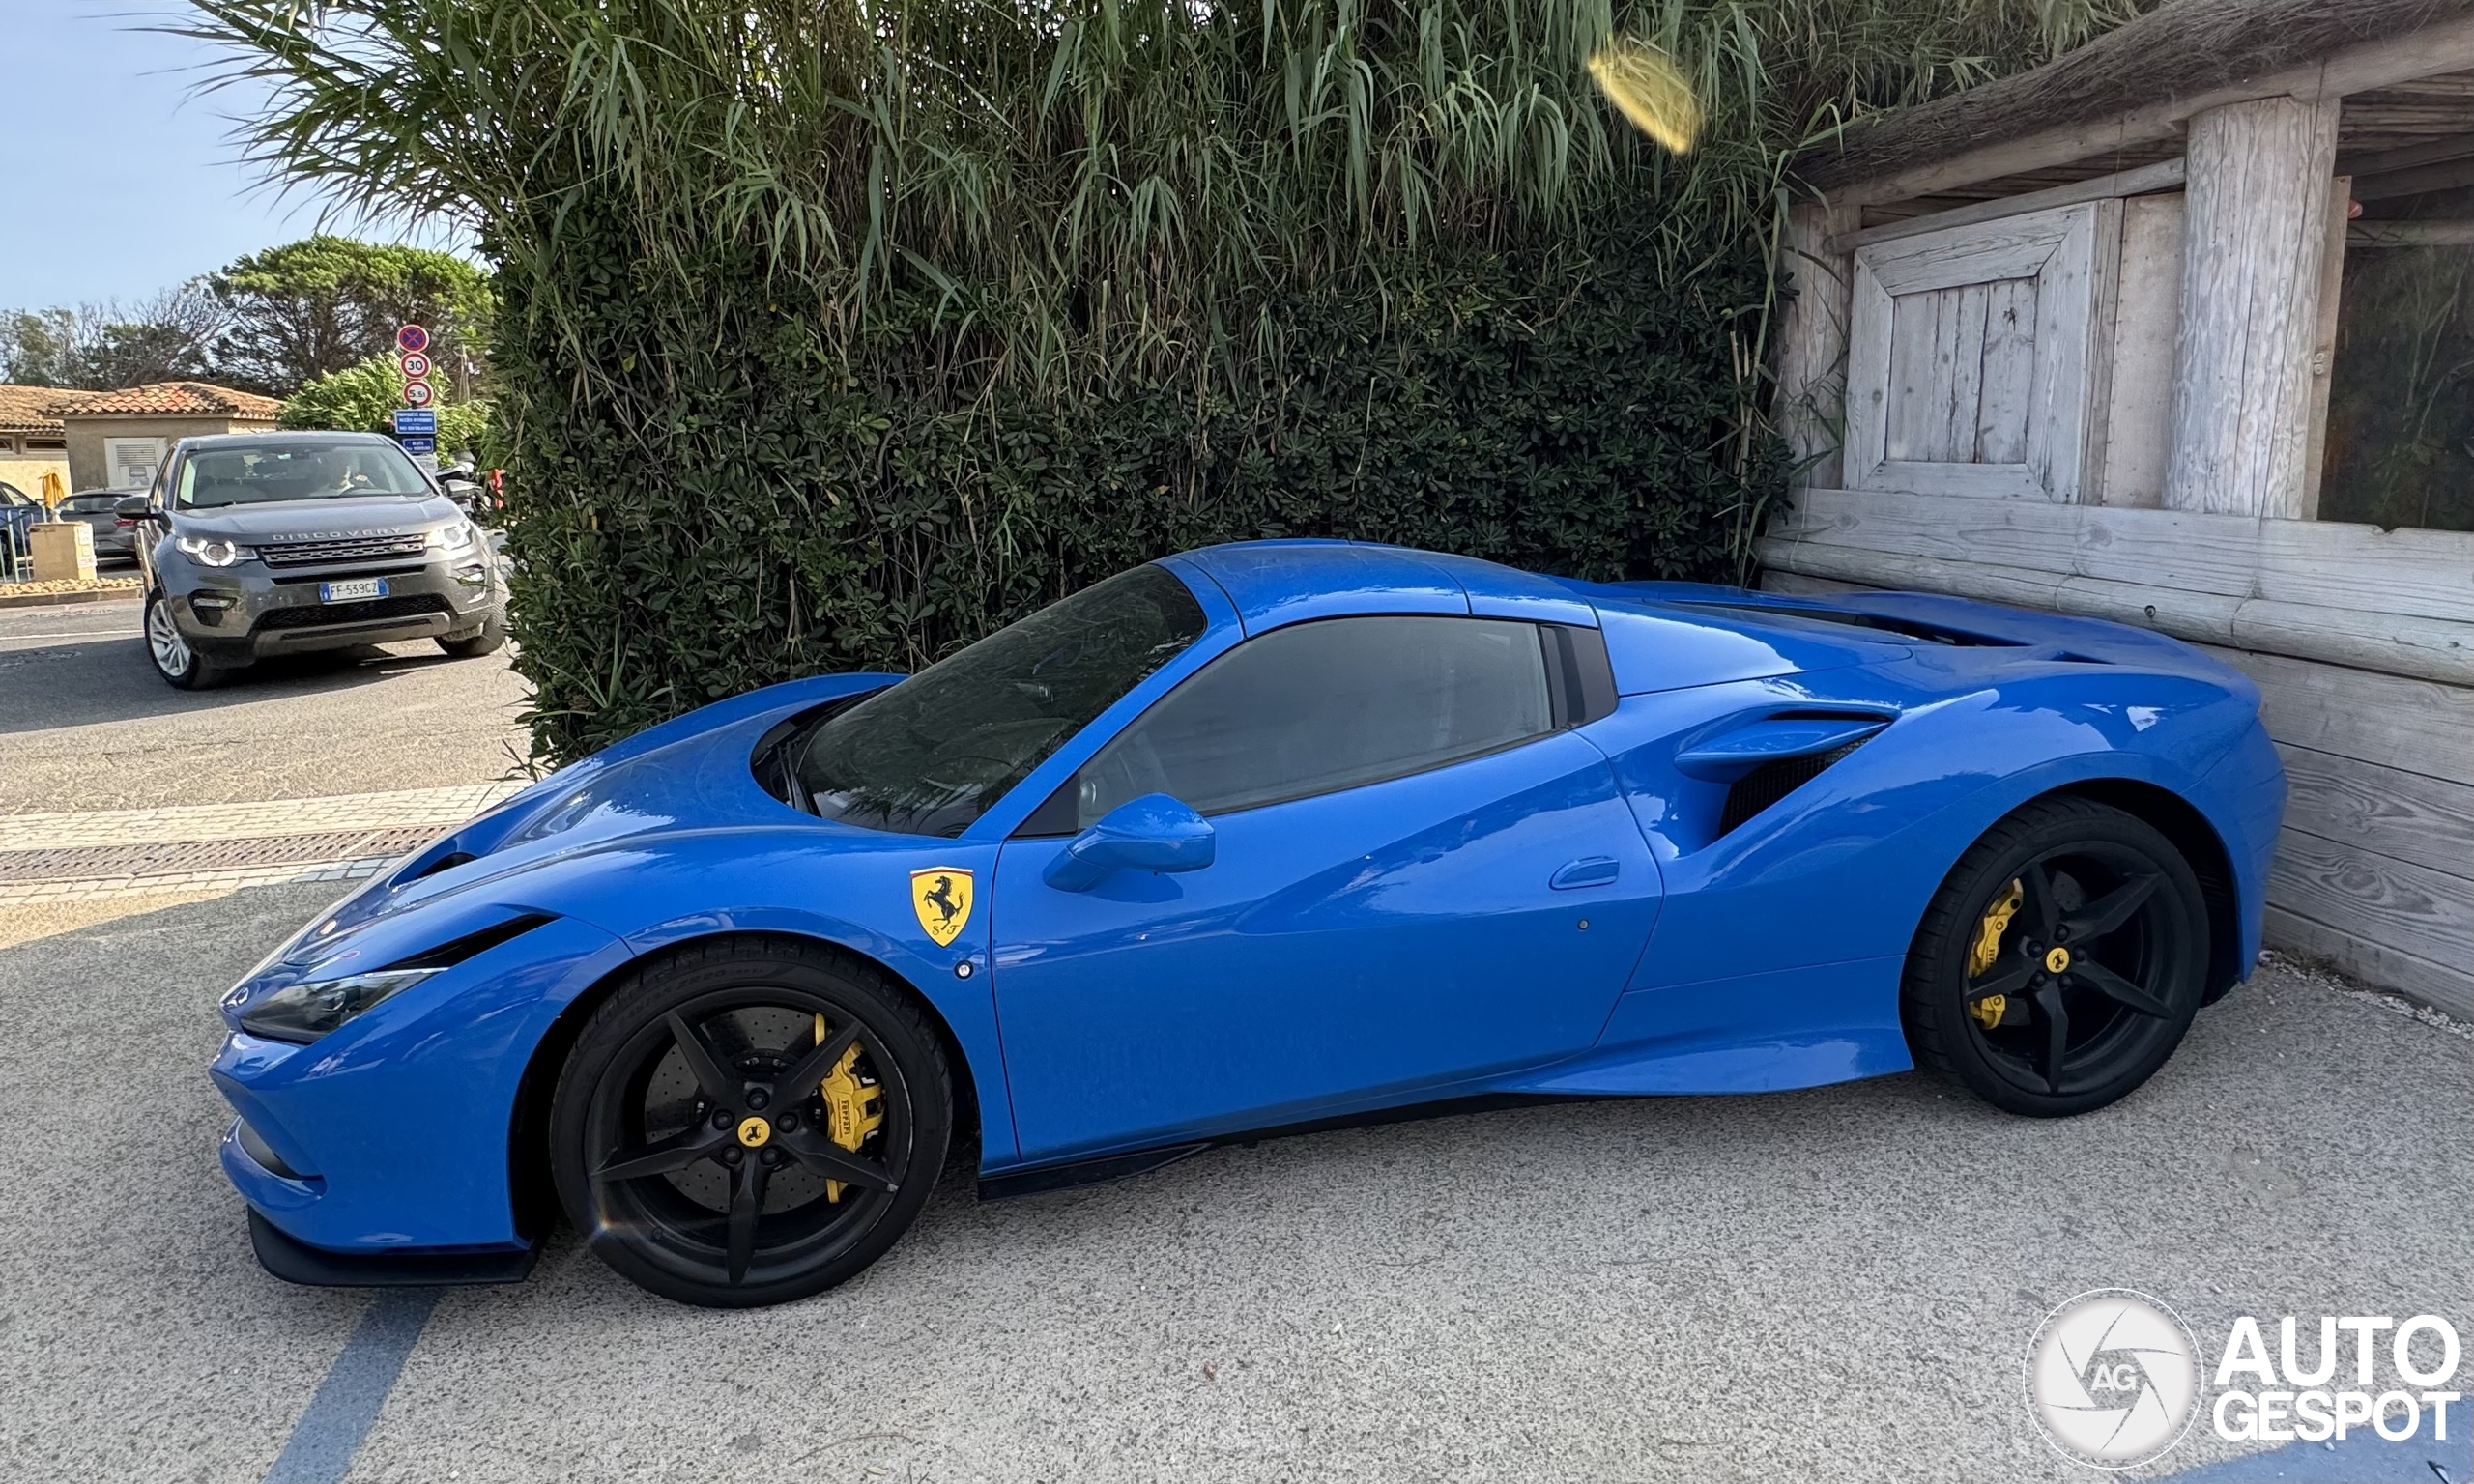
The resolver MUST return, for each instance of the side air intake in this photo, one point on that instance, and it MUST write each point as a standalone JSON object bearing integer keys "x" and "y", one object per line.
{"x": 1772, "y": 782}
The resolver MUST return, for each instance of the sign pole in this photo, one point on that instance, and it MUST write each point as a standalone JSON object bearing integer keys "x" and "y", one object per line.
{"x": 417, "y": 421}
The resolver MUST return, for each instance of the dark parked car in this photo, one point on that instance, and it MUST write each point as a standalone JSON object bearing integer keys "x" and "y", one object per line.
{"x": 18, "y": 510}
{"x": 115, "y": 535}
{"x": 262, "y": 544}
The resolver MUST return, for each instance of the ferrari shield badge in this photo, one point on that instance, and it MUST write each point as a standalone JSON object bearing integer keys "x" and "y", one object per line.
{"x": 942, "y": 897}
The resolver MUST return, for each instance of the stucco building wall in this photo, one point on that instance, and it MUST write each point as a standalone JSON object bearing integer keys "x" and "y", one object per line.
{"x": 90, "y": 439}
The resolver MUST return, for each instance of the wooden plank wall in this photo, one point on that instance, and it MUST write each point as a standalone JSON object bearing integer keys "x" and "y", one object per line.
{"x": 2375, "y": 874}
{"x": 1972, "y": 356}
{"x": 2397, "y": 602}
{"x": 2147, "y": 311}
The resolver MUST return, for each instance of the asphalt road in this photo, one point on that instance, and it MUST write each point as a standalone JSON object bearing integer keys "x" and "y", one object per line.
{"x": 85, "y": 723}
{"x": 1836, "y": 1284}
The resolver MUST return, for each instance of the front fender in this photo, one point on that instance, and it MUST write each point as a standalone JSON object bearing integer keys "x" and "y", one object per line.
{"x": 394, "y": 1129}
{"x": 836, "y": 885}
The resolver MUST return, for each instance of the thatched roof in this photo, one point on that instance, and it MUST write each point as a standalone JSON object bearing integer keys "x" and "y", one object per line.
{"x": 2184, "y": 49}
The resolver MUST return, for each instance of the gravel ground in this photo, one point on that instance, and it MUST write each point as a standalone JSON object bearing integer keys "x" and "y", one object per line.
{"x": 1836, "y": 1284}
{"x": 86, "y": 723}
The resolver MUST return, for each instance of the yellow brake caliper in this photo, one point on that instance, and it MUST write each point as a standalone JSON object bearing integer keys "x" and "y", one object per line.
{"x": 1988, "y": 1010}
{"x": 852, "y": 1109}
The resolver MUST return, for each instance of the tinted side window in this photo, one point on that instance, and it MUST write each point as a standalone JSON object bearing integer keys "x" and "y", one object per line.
{"x": 930, "y": 754}
{"x": 1325, "y": 706}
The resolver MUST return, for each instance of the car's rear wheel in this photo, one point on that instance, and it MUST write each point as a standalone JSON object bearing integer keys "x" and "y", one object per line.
{"x": 2061, "y": 961}
{"x": 750, "y": 1121}
{"x": 175, "y": 659}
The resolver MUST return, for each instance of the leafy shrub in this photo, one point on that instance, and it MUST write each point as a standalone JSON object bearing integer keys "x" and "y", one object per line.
{"x": 793, "y": 518}
{"x": 834, "y": 334}
{"x": 362, "y": 398}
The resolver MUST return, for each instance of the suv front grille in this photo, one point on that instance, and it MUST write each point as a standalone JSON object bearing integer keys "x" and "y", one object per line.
{"x": 302, "y": 554}
{"x": 319, "y": 615}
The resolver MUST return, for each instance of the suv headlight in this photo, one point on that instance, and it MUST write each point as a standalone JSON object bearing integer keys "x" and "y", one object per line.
{"x": 304, "y": 1012}
{"x": 214, "y": 551}
{"x": 458, "y": 537}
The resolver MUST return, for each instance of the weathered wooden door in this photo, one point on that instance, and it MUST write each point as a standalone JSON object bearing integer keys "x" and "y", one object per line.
{"x": 1975, "y": 355}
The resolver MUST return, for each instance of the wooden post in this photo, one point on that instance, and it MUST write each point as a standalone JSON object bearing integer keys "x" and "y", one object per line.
{"x": 2256, "y": 236}
{"x": 2323, "y": 342}
{"x": 1812, "y": 340}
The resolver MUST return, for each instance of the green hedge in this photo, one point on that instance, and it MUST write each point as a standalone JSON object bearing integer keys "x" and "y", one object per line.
{"x": 753, "y": 513}
{"x": 836, "y": 336}
{"x": 362, "y": 398}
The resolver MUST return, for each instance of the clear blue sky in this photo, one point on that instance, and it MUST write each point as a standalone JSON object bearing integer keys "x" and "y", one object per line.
{"x": 114, "y": 181}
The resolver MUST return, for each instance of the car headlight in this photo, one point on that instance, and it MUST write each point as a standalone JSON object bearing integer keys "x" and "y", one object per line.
{"x": 458, "y": 537}
{"x": 214, "y": 551}
{"x": 304, "y": 1012}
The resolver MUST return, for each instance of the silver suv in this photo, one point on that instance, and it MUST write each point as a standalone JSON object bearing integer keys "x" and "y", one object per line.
{"x": 260, "y": 544}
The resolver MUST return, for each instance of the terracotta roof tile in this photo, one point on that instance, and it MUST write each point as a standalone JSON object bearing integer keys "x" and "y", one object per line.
{"x": 22, "y": 408}
{"x": 171, "y": 399}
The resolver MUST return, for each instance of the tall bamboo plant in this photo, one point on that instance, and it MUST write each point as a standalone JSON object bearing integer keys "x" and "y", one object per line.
{"x": 963, "y": 210}
{"x": 1131, "y": 154}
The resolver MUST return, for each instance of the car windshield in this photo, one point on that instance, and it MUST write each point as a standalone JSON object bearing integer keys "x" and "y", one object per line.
{"x": 260, "y": 473}
{"x": 930, "y": 754}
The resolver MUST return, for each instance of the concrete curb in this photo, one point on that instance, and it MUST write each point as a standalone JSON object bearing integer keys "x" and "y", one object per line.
{"x": 51, "y": 599}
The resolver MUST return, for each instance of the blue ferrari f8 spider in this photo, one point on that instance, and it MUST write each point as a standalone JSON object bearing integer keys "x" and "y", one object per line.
{"x": 1260, "y": 837}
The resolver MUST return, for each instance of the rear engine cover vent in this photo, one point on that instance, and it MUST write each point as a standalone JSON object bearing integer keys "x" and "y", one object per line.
{"x": 1772, "y": 782}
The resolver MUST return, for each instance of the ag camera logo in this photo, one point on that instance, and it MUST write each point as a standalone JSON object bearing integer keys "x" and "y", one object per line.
{"x": 2112, "y": 1379}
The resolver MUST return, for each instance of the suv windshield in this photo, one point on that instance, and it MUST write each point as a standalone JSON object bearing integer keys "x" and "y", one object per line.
{"x": 930, "y": 754}
{"x": 294, "y": 468}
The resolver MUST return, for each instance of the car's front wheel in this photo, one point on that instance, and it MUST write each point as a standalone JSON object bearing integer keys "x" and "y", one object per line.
{"x": 750, "y": 1121}
{"x": 489, "y": 638}
{"x": 2061, "y": 961}
{"x": 175, "y": 657}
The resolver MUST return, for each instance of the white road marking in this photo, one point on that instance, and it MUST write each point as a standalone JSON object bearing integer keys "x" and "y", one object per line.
{"x": 202, "y": 824}
{"x": 181, "y": 824}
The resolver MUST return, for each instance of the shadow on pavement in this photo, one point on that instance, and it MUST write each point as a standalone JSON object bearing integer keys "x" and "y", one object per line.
{"x": 77, "y": 681}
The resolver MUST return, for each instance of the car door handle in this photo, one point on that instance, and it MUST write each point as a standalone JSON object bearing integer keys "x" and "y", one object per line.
{"x": 1589, "y": 871}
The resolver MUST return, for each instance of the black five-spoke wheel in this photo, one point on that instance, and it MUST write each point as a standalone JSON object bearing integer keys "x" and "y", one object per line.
{"x": 2061, "y": 963}
{"x": 749, "y": 1121}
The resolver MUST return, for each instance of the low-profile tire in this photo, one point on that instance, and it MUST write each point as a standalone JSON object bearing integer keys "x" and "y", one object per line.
{"x": 490, "y": 640}
{"x": 175, "y": 657}
{"x": 2061, "y": 961}
{"x": 653, "y": 1138}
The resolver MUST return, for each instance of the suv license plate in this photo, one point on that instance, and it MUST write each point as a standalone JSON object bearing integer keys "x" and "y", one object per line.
{"x": 346, "y": 592}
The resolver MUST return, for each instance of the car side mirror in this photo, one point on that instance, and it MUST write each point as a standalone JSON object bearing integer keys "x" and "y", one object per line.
{"x": 1152, "y": 833}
